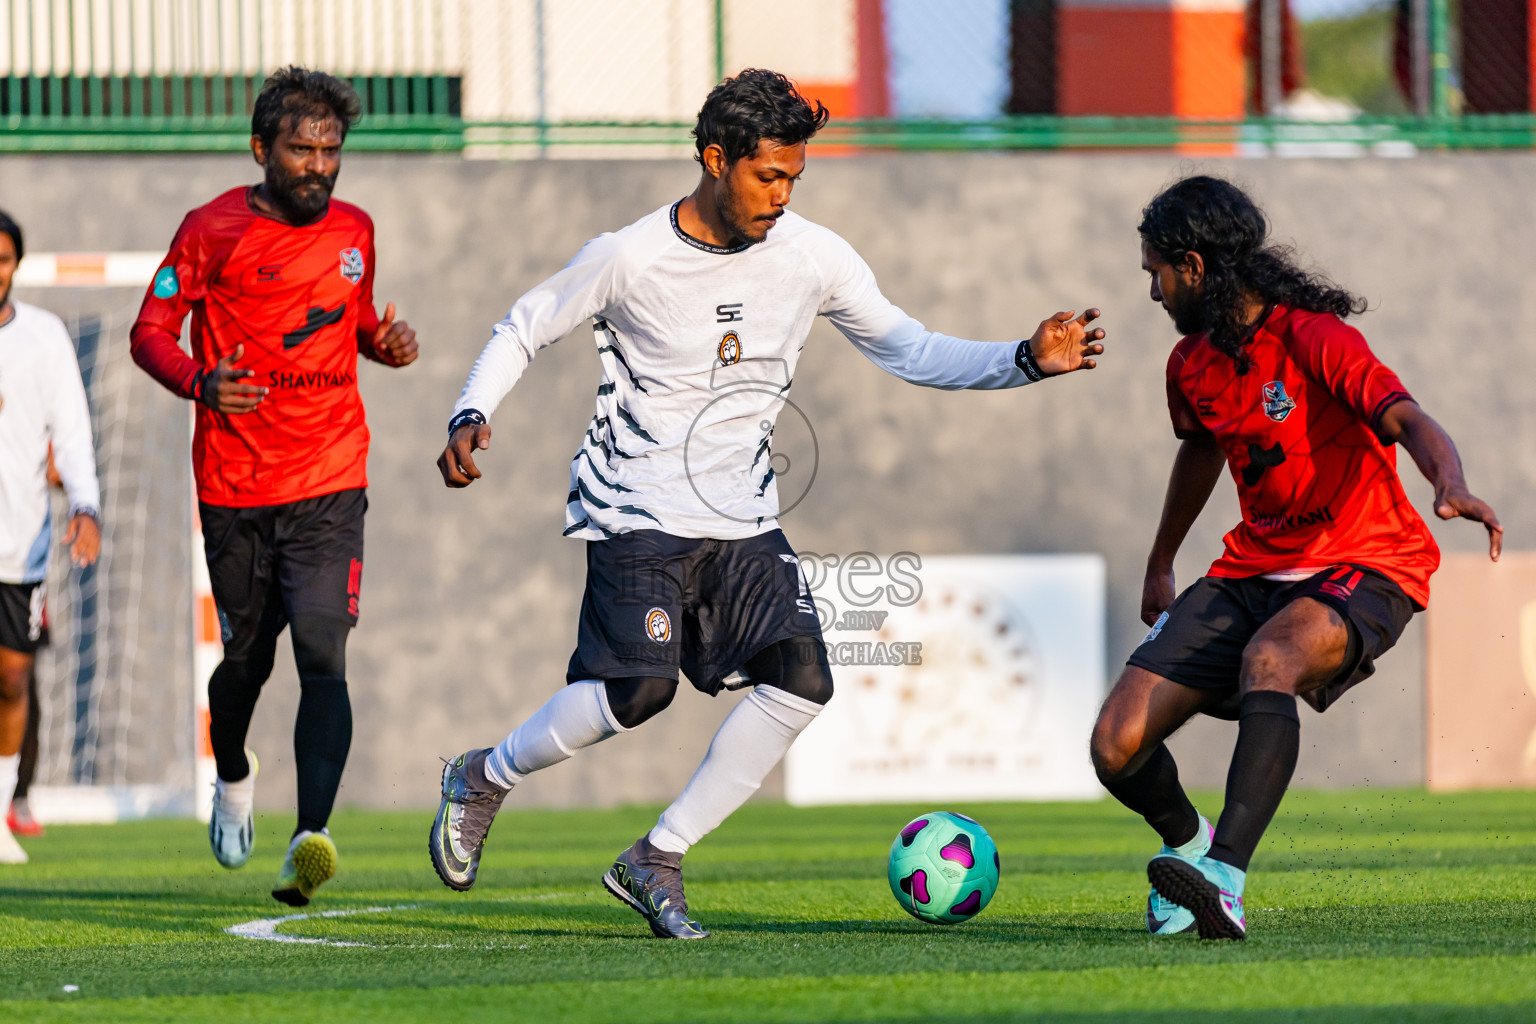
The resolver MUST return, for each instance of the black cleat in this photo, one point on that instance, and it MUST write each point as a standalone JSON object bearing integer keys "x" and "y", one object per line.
{"x": 650, "y": 881}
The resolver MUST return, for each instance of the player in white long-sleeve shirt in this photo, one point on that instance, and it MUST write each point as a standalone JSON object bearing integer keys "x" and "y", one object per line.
{"x": 42, "y": 400}
{"x": 700, "y": 310}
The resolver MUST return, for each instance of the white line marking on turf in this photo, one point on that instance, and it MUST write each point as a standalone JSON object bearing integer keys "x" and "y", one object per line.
{"x": 265, "y": 928}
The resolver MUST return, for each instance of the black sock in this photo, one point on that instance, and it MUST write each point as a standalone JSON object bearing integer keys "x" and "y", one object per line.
{"x": 322, "y": 734}
{"x": 1268, "y": 739}
{"x": 232, "y": 694}
{"x": 1153, "y": 791}
{"x": 26, "y": 768}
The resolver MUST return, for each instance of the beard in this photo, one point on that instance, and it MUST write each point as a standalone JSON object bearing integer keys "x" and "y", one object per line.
{"x": 1188, "y": 313}
{"x": 302, "y": 197}
{"x": 737, "y": 217}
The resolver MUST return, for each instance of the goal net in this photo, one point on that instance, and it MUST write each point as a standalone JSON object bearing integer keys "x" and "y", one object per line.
{"x": 122, "y": 730}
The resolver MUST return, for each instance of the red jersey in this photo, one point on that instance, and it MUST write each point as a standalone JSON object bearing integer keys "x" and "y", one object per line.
{"x": 300, "y": 299}
{"x": 1301, "y": 431}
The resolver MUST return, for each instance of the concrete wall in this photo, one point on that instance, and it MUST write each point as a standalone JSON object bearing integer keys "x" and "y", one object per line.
{"x": 470, "y": 599}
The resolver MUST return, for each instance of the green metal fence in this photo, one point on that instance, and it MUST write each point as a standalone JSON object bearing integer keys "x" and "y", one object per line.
{"x": 552, "y": 77}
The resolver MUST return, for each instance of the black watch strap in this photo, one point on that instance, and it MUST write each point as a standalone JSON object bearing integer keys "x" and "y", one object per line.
{"x": 1024, "y": 359}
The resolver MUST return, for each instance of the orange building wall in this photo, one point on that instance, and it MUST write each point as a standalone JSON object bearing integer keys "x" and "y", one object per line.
{"x": 1150, "y": 61}
{"x": 1211, "y": 72}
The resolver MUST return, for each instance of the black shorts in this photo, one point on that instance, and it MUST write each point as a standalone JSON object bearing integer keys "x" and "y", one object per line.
{"x": 275, "y": 563}
{"x": 655, "y": 602}
{"x": 23, "y": 616}
{"x": 1199, "y": 640}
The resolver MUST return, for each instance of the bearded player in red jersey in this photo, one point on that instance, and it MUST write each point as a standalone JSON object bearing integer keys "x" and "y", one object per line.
{"x": 1318, "y": 580}
{"x": 278, "y": 279}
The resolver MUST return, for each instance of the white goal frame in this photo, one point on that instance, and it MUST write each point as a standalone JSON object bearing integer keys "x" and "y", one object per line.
{"x": 123, "y": 276}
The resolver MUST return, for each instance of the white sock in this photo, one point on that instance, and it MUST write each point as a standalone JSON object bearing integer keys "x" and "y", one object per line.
{"x": 578, "y": 716}
{"x": 9, "y": 766}
{"x": 237, "y": 797}
{"x": 1200, "y": 845}
{"x": 751, "y": 740}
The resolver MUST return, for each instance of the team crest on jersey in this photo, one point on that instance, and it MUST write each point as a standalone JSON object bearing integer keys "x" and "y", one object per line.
{"x": 658, "y": 626}
{"x": 730, "y": 348}
{"x": 1277, "y": 404}
{"x": 352, "y": 265}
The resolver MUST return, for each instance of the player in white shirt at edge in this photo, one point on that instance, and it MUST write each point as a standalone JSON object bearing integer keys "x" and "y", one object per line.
{"x": 42, "y": 399}
{"x": 700, "y": 310}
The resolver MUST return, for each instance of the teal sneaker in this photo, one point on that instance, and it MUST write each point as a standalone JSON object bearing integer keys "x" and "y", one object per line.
{"x": 1165, "y": 917}
{"x": 1209, "y": 888}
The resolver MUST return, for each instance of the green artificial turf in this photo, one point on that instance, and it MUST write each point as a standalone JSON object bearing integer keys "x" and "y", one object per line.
{"x": 1363, "y": 906}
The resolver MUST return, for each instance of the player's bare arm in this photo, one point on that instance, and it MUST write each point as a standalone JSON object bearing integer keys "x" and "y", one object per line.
{"x": 1196, "y": 469}
{"x": 1435, "y": 454}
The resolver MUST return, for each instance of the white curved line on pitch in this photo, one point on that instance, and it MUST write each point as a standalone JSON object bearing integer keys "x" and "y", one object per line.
{"x": 265, "y": 928}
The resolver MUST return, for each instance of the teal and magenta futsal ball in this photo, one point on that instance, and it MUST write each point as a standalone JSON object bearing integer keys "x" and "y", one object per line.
{"x": 943, "y": 868}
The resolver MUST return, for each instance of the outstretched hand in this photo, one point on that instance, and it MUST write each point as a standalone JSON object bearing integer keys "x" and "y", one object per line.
{"x": 1062, "y": 344}
{"x": 1458, "y": 502}
{"x": 394, "y": 343}
{"x": 457, "y": 463}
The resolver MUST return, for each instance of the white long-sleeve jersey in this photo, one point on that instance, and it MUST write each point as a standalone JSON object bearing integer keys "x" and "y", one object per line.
{"x": 42, "y": 399}
{"x": 698, "y": 347}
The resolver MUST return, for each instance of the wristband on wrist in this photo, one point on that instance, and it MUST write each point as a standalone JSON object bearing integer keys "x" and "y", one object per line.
{"x": 86, "y": 510}
{"x": 474, "y": 416}
{"x": 1024, "y": 359}
{"x": 200, "y": 390}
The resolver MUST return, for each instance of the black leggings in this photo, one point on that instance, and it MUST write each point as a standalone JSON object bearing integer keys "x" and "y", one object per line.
{"x": 322, "y": 731}
{"x": 797, "y": 665}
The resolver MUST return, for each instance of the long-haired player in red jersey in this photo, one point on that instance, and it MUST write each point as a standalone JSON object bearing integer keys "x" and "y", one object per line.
{"x": 1318, "y": 580}
{"x": 278, "y": 280}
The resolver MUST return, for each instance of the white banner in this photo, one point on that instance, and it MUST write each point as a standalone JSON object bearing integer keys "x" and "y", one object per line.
{"x": 957, "y": 678}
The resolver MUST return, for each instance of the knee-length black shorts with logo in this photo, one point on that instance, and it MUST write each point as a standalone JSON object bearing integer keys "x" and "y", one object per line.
{"x": 655, "y": 603}
{"x": 271, "y": 564}
{"x": 1199, "y": 640}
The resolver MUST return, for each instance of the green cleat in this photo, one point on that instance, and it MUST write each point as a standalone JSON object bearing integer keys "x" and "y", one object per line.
{"x": 470, "y": 803}
{"x": 1210, "y": 889}
{"x": 310, "y": 863}
{"x": 650, "y": 882}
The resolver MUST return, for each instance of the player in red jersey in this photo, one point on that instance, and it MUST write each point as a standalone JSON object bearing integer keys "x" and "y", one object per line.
{"x": 278, "y": 279}
{"x": 1318, "y": 580}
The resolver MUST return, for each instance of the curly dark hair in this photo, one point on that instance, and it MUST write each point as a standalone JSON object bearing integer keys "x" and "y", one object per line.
{"x": 292, "y": 92}
{"x": 1222, "y": 223}
{"x": 10, "y": 227}
{"x": 740, "y": 112}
